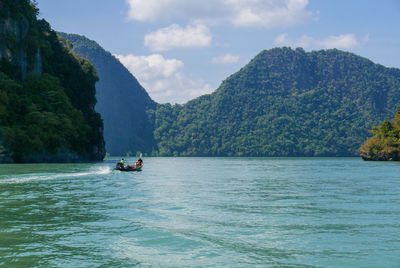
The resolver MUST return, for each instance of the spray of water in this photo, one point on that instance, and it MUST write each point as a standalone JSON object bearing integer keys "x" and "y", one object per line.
{"x": 24, "y": 178}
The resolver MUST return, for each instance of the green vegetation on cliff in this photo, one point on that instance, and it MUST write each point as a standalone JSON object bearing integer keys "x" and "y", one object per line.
{"x": 47, "y": 93}
{"x": 385, "y": 144}
{"x": 283, "y": 103}
{"x": 123, "y": 103}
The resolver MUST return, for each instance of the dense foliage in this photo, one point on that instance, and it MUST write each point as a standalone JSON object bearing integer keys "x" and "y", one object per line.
{"x": 47, "y": 94}
{"x": 385, "y": 144}
{"x": 283, "y": 103}
{"x": 122, "y": 102}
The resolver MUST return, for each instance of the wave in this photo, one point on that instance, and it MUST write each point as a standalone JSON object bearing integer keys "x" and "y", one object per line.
{"x": 23, "y": 178}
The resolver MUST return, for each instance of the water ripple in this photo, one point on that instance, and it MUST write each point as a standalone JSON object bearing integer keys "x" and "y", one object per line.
{"x": 202, "y": 212}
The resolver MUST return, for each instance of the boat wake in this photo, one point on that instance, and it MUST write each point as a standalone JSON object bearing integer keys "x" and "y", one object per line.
{"x": 24, "y": 178}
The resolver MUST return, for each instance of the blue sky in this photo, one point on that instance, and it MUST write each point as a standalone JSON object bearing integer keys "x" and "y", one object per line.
{"x": 180, "y": 49}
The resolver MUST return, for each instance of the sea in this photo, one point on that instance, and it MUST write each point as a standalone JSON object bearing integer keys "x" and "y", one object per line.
{"x": 202, "y": 212}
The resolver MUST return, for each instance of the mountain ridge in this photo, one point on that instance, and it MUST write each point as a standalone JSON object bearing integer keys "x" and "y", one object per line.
{"x": 284, "y": 102}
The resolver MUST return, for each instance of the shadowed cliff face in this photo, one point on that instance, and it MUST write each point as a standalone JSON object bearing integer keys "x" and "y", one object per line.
{"x": 123, "y": 103}
{"x": 47, "y": 94}
{"x": 7, "y": 27}
{"x": 12, "y": 42}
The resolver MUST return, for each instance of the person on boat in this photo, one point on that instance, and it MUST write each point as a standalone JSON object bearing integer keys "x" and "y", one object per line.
{"x": 122, "y": 163}
{"x": 139, "y": 162}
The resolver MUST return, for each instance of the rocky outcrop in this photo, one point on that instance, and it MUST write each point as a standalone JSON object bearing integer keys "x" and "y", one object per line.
{"x": 382, "y": 156}
{"x": 13, "y": 44}
{"x": 4, "y": 157}
{"x": 9, "y": 31}
{"x": 37, "y": 64}
{"x": 62, "y": 156}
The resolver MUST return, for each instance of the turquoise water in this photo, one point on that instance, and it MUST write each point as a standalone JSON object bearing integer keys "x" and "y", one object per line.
{"x": 202, "y": 212}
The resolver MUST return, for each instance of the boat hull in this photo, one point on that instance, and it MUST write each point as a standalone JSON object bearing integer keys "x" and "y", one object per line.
{"x": 129, "y": 169}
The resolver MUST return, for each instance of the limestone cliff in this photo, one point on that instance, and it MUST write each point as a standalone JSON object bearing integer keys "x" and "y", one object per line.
{"x": 47, "y": 93}
{"x": 14, "y": 41}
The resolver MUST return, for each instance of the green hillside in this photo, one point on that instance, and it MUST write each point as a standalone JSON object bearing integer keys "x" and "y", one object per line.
{"x": 47, "y": 93}
{"x": 284, "y": 103}
{"x": 122, "y": 101}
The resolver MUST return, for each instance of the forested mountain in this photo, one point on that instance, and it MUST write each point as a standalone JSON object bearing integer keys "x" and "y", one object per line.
{"x": 122, "y": 101}
{"x": 47, "y": 93}
{"x": 284, "y": 103}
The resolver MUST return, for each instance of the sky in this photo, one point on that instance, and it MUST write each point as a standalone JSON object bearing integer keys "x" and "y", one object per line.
{"x": 181, "y": 49}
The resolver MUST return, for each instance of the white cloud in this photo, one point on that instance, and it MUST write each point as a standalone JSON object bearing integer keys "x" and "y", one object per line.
{"x": 164, "y": 79}
{"x": 227, "y": 58}
{"x": 248, "y": 13}
{"x": 343, "y": 41}
{"x": 176, "y": 36}
{"x": 340, "y": 41}
{"x": 268, "y": 13}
